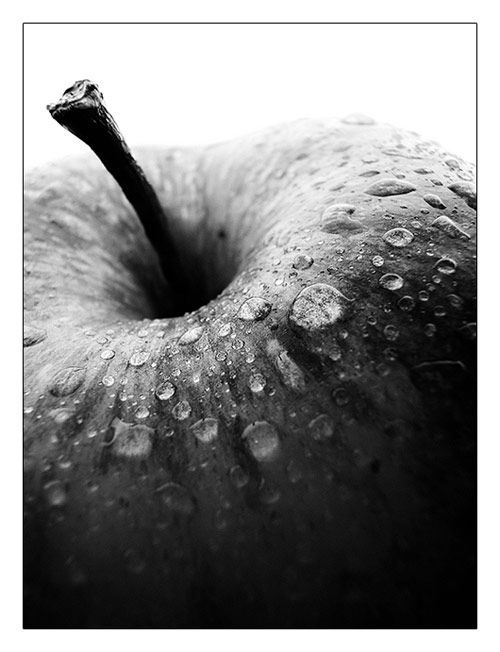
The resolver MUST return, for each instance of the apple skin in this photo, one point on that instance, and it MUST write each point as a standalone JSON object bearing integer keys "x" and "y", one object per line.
{"x": 343, "y": 493}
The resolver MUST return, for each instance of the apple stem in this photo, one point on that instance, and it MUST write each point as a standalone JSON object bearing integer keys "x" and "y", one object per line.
{"x": 82, "y": 112}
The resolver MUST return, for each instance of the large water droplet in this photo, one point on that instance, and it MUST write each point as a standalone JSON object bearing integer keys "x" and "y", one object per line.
{"x": 192, "y": 335}
{"x": 321, "y": 427}
{"x": 142, "y": 412}
{"x": 254, "y": 309}
{"x": 316, "y": 307}
{"x": 391, "y": 282}
{"x": 165, "y": 391}
{"x": 225, "y": 330}
{"x": 67, "y": 381}
{"x": 398, "y": 237}
{"x": 262, "y": 440}
{"x": 130, "y": 440}
{"x": 387, "y": 187}
{"x": 206, "y": 430}
{"x": 451, "y": 228}
{"x": 181, "y": 411}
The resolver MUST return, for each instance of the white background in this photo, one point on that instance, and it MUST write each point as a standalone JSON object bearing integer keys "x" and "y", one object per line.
{"x": 195, "y": 84}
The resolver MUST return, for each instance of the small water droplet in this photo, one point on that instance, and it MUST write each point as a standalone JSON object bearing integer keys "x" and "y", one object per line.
{"x": 181, "y": 411}
{"x": 391, "y": 282}
{"x": 398, "y": 237}
{"x": 225, "y": 330}
{"x": 406, "y": 303}
{"x": 256, "y": 382}
{"x": 142, "y": 412}
{"x": 107, "y": 354}
{"x": 177, "y": 498}
{"x": 139, "y": 358}
{"x": 430, "y": 330}
{"x": 391, "y": 333}
{"x": 439, "y": 311}
{"x": 423, "y": 295}
{"x": 340, "y": 396}
{"x": 377, "y": 261}
{"x": 191, "y": 336}
{"x": 108, "y": 381}
{"x": 321, "y": 427}
{"x": 238, "y": 477}
{"x": 262, "y": 440}
{"x": 446, "y": 266}
{"x": 206, "y": 430}
{"x": 434, "y": 201}
{"x": 302, "y": 261}
{"x": 55, "y": 493}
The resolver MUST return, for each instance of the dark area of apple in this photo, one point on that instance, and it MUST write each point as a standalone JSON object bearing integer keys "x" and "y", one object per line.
{"x": 297, "y": 452}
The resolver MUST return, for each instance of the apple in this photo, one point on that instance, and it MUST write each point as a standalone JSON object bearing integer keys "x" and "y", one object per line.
{"x": 250, "y": 380}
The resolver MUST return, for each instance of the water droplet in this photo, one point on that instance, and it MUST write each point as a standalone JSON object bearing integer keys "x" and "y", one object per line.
{"x": 139, "y": 358}
{"x": 387, "y": 187}
{"x": 225, "y": 329}
{"x": 446, "y": 265}
{"x": 340, "y": 396}
{"x": 206, "y": 430}
{"x": 465, "y": 191}
{"x": 469, "y": 330}
{"x": 254, "y": 309}
{"x": 262, "y": 440}
{"x": 181, "y": 411}
{"x": 142, "y": 333}
{"x": 192, "y": 335}
{"x": 107, "y": 354}
{"x": 33, "y": 335}
{"x": 177, "y": 498}
{"x": 398, "y": 237}
{"x": 302, "y": 261}
{"x": 142, "y": 412}
{"x": 316, "y": 307}
{"x": 391, "y": 333}
{"x": 423, "y": 295}
{"x": 291, "y": 374}
{"x": 430, "y": 330}
{"x": 377, "y": 261}
{"x": 220, "y": 356}
{"x": 434, "y": 201}
{"x": 256, "y": 382}
{"x": 451, "y": 228}
{"x": 439, "y": 311}
{"x": 55, "y": 493}
{"x": 293, "y": 472}
{"x": 130, "y": 440}
{"x": 238, "y": 477}
{"x": 108, "y": 381}
{"x": 456, "y": 301}
{"x": 391, "y": 282}
{"x": 269, "y": 493}
{"x": 406, "y": 303}
{"x": 321, "y": 427}
{"x": 61, "y": 415}
{"x": 134, "y": 561}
